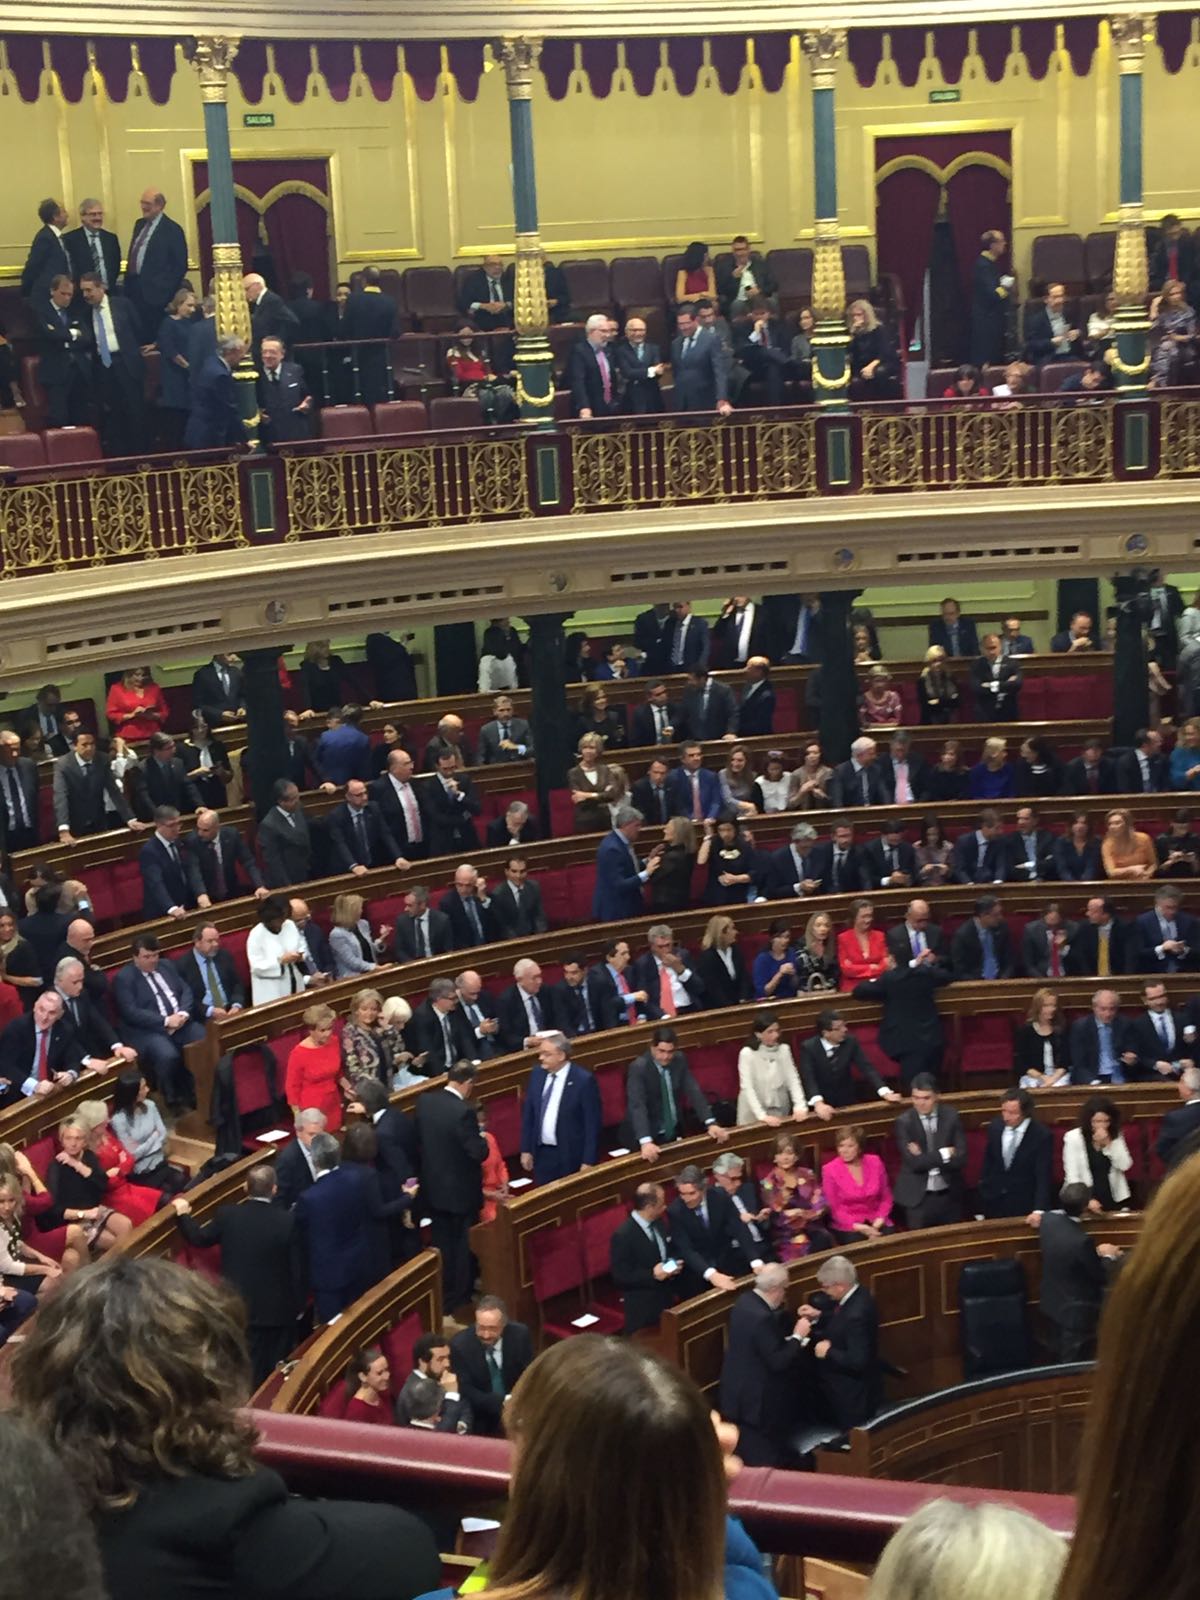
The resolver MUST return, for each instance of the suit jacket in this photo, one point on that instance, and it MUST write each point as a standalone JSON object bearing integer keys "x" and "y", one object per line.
{"x": 821, "y": 864}
{"x": 404, "y": 945}
{"x": 652, "y": 640}
{"x": 1148, "y": 936}
{"x": 701, "y": 376}
{"x": 911, "y": 1022}
{"x": 1075, "y": 777}
{"x": 712, "y": 722}
{"x": 1027, "y": 1184}
{"x": 1176, "y": 1126}
{"x": 452, "y": 1152}
{"x": 1145, "y": 1038}
{"x": 261, "y": 1257}
{"x": 286, "y": 848}
{"x": 462, "y": 929}
{"x": 163, "y": 268}
{"x": 392, "y": 666}
{"x": 134, "y": 999}
{"x": 499, "y": 838}
{"x": 475, "y": 291}
{"x": 644, "y": 1097}
{"x": 397, "y": 1160}
{"x": 609, "y": 1009}
{"x": 720, "y": 989}
{"x": 345, "y": 849}
{"x": 696, "y": 645}
{"x": 899, "y": 942}
{"x": 1000, "y": 705}
{"x": 1035, "y": 948}
{"x": 513, "y": 1017}
{"x": 162, "y": 783}
{"x": 128, "y": 357}
{"x": 423, "y": 1035}
{"x": 569, "y": 1007}
{"x": 655, "y": 807}
{"x": 79, "y": 801}
{"x": 88, "y": 1021}
{"x": 452, "y": 819}
{"x": 580, "y": 1118}
{"x": 1015, "y": 865}
{"x": 48, "y": 256}
{"x": 728, "y": 284}
{"x": 759, "y": 1376}
{"x": 618, "y": 890}
{"x": 1039, "y": 337}
{"x": 387, "y": 802}
{"x": 469, "y": 1360}
{"x": 334, "y": 1222}
{"x": 585, "y": 380}
{"x": 850, "y": 1374}
{"x": 489, "y": 742}
{"x": 632, "y": 1260}
{"x": 756, "y": 710}
{"x": 832, "y": 1077}
{"x": 209, "y": 697}
{"x": 227, "y": 974}
{"x": 272, "y": 318}
{"x": 1129, "y": 774}
{"x": 966, "y": 951}
{"x": 231, "y": 852}
{"x": 17, "y": 1048}
{"x": 643, "y": 727}
{"x": 214, "y": 419}
{"x": 64, "y": 342}
{"x": 369, "y": 314}
{"x": 293, "y": 1175}
{"x": 918, "y": 777}
{"x": 278, "y": 398}
{"x": 912, "y": 1181}
{"x": 726, "y": 634}
{"x": 640, "y": 393}
{"x": 679, "y": 791}
{"x": 968, "y": 637}
{"x": 877, "y": 867}
{"x": 1084, "y": 1049}
{"x": 979, "y": 861}
{"x": 845, "y": 786}
{"x": 1074, "y": 1274}
{"x": 520, "y": 914}
{"x": 1084, "y": 957}
{"x": 79, "y": 249}
{"x": 643, "y": 974}
{"x": 166, "y": 883}
{"x": 725, "y": 1244}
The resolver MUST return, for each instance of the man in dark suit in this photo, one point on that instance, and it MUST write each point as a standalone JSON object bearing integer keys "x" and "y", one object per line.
{"x": 1046, "y": 944}
{"x": 699, "y": 366}
{"x": 171, "y": 881}
{"x": 48, "y": 253}
{"x": 505, "y": 737}
{"x": 665, "y": 967}
{"x": 214, "y": 416}
{"x": 693, "y": 791}
{"x": 1093, "y": 772}
{"x": 656, "y": 720}
{"x": 910, "y": 1030}
{"x": 20, "y": 810}
{"x": 1168, "y": 938}
{"x": 156, "y": 263}
{"x": 261, "y": 1259}
{"x": 762, "y": 344}
{"x": 1049, "y": 336}
{"x": 218, "y": 693}
{"x": 933, "y": 1153}
{"x": 1103, "y": 945}
{"x": 211, "y": 975}
{"x": 1076, "y": 1272}
{"x": 1016, "y": 1176}
{"x": 844, "y": 1330}
{"x": 39, "y": 1052}
{"x": 270, "y": 315}
{"x": 762, "y": 1369}
{"x": 314, "y": 937}
{"x": 516, "y": 904}
{"x": 392, "y": 667}
{"x": 689, "y": 644}
{"x": 452, "y": 803}
{"x": 293, "y": 1165}
{"x": 401, "y": 805}
{"x": 438, "y": 1033}
{"x": 908, "y": 940}
{"x": 283, "y": 838}
{"x": 161, "y": 780}
{"x": 905, "y": 774}
{"x": 45, "y": 928}
{"x": 1077, "y": 636}
{"x": 1030, "y": 849}
{"x": 1157, "y": 1034}
{"x": 155, "y": 1011}
{"x": 92, "y": 248}
{"x": 890, "y": 862}
{"x": 64, "y": 354}
{"x": 650, "y": 794}
{"x": 659, "y": 1086}
{"x": 789, "y": 869}
{"x": 371, "y": 314}
{"x": 420, "y": 931}
{"x": 334, "y": 1223}
{"x": 224, "y": 859}
{"x": 561, "y": 1117}
{"x": 1184, "y": 1120}
{"x": 1174, "y": 256}
{"x": 432, "y": 1386}
{"x": 619, "y": 871}
{"x": 85, "y": 1012}
{"x": 591, "y": 374}
{"x": 859, "y": 781}
{"x": 639, "y": 367}
{"x": 835, "y": 1070}
{"x": 284, "y": 402}
{"x": 613, "y": 1000}
{"x": 468, "y": 908}
{"x": 359, "y": 837}
{"x": 996, "y": 683}
{"x": 87, "y": 798}
{"x": 742, "y": 275}
{"x": 714, "y": 1242}
{"x": 481, "y": 296}
{"x": 982, "y": 947}
{"x": 756, "y": 708}
{"x": 836, "y": 864}
{"x": 1143, "y": 769}
{"x": 118, "y": 367}
{"x": 1166, "y": 608}
{"x": 1012, "y": 641}
{"x": 990, "y": 290}
{"x": 1102, "y": 1046}
{"x": 396, "y": 1162}
{"x": 652, "y": 632}
{"x": 643, "y": 1262}
{"x": 452, "y": 1152}
{"x": 739, "y": 632}
{"x": 956, "y": 634}
{"x": 515, "y": 827}
{"x": 709, "y": 710}
{"x": 488, "y": 1358}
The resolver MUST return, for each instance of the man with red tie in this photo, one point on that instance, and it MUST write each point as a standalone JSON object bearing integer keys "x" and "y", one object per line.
{"x": 38, "y": 1052}
{"x": 668, "y": 974}
{"x": 614, "y": 1001}
{"x": 591, "y": 373}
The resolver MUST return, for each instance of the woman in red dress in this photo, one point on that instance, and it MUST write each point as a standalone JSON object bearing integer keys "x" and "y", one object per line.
{"x": 495, "y": 1171}
{"x": 133, "y": 1200}
{"x": 862, "y": 949}
{"x": 136, "y": 707}
{"x": 695, "y": 279}
{"x": 315, "y": 1076}
{"x": 369, "y": 1379}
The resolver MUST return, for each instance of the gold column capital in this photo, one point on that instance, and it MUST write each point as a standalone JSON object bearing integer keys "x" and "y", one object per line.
{"x": 519, "y": 57}
{"x": 823, "y": 47}
{"x": 1128, "y": 31}
{"x": 212, "y": 59}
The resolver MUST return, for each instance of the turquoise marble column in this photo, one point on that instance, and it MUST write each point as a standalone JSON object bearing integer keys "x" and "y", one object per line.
{"x": 535, "y": 369}
{"x": 831, "y": 342}
{"x": 1131, "y": 359}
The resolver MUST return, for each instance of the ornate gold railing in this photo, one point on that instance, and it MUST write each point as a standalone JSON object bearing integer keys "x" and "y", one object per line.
{"x": 92, "y": 520}
{"x": 981, "y": 447}
{"x": 664, "y": 463}
{"x": 378, "y": 489}
{"x": 1179, "y": 444}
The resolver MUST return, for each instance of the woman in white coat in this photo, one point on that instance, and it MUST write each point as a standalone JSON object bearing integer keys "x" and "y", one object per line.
{"x": 769, "y": 1086}
{"x": 276, "y": 953}
{"x": 1096, "y": 1155}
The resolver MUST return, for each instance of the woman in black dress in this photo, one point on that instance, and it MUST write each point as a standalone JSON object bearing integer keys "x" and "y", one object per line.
{"x": 206, "y": 762}
{"x": 874, "y": 364}
{"x": 949, "y": 779}
{"x": 78, "y": 1184}
{"x": 597, "y": 716}
{"x": 670, "y": 885}
{"x": 730, "y": 861}
{"x": 720, "y": 965}
{"x": 321, "y": 674}
{"x": 1076, "y": 853}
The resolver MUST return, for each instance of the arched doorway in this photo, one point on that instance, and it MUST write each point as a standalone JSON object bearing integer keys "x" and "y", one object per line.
{"x": 284, "y": 220}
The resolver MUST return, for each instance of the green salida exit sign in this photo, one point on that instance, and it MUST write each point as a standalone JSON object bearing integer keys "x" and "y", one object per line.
{"x": 944, "y": 97}
{"x": 266, "y": 119}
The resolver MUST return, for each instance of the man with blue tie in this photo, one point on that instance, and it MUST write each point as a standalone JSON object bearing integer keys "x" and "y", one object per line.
{"x": 171, "y": 881}
{"x": 211, "y": 975}
{"x": 1102, "y": 1048}
{"x": 119, "y": 368}
{"x": 570, "y": 1003}
{"x": 1167, "y": 937}
{"x": 982, "y": 948}
{"x": 619, "y": 874}
{"x": 689, "y": 645}
{"x": 979, "y": 856}
{"x": 154, "y": 1009}
{"x": 561, "y": 1117}
{"x": 801, "y": 642}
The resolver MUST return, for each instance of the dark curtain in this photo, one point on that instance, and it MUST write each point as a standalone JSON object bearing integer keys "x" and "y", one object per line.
{"x": 948, "y": 337}
{"x": 298, "y": 241}
{"x": 906, "y": 205}
{"x": 247, "y": 227}
{"x": 977, "y": 198}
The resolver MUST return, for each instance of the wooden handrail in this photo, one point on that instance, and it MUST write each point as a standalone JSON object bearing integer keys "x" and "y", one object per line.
{"x": 158, "y": 1235}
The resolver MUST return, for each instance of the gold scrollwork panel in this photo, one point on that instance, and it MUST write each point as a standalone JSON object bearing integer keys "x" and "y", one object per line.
{"x": 211, "y": 501}
{"x": 496, "y": 475}
{"x": 406, "y": 486}
{"x": 316, "y": 496}
{"x": 1081, "y": 443}
{"x": 692, "y": 465}
{"x": 987, "y": 446}
{"x": 785, "y": 454}
{"x": 30, "y": 528}
{"x": 120, "y": 514}
{"x": 1179, "y": 450}
{"x": 602, "y": 467}
{"x": 892, "y": 451}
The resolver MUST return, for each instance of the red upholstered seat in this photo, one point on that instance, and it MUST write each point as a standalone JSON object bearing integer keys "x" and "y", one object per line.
{"x": 987, "y": 1044}
{"x": 1099, "y": 251}
{"x": 396, "y": 417}
{"x": 1055, "y": 373}
{"x": 65, "y": 446}
{"x": 454, "y": 411}
{"x": 429, "y": 296}
{"x": 636, "y": 281}
{"x": 41, "y": 1153}
{"x": 397, "y": 1345}
{"x": 856, "y": 267}
{"x": 714, "y": 1067}
{"x": 335, "y": 1401}
{"x": 22, "y": 450}
{"x": 556, "y": 1264}
{"x": 671, "y": 267}
{"x": 589, "y": 285}
{"x": 345, "y": 422}
{"x": 793, "y": 273}
{"x": 1059, "y": 258}
{"x": 504, "y": 1123}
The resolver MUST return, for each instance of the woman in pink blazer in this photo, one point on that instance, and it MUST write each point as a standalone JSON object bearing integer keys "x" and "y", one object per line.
{"x": 856, "y": 1191}
{"x": 862, "y": 949}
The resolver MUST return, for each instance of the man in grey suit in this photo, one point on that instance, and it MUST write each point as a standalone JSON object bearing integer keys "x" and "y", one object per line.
{"x": 505, "y": 738}
{"x": 933, "y": 1153}
{"x": 87, "y": 798}
{"x": 284, "y": 839}
{"x": 699, "y": 366}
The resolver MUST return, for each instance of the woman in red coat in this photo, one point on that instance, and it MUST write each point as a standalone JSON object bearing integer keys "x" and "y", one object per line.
{"x": 369, "y": 1380}
{"x": 137, "y": 1201}
{"x": 136, "y": 707}
{"x": 862, "y": 949}
{"x": 314, "y": 1079}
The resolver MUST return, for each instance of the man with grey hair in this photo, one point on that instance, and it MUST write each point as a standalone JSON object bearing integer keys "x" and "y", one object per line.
{"x": 788, "y": 872}
{"x": 858, "y": 782}
{"x": 478, "y": 1011}
{"x": 591, "y": 373}
{"x": 846, "y": 1330}
{"x": 91, "y": 247}
{"x": 522, "y": 1013}
{"x": 335, "y": 1222}
{"x": 214, "y": 415}
{"x": 270, "y": 315}
{"x": 668, "y": 974}
{"x": 437, "y": 1033}
{"x": 729, "y": 1173}
{"x": 760, "y": 1376}
{"x": 1179, "y": 1125}
{"x": 561, "y": 1116}
{"x": 294, "y": 1168}
{"x": 619, "y": 874}
{"x": 513, "y": 828}
{"x": 714, "y": 1241}
{"x": 156, "y": 262}
{"x": 98, "y": 1044}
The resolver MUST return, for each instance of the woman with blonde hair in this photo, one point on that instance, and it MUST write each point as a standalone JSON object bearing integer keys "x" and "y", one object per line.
{"x": 670, "y": 887}
{"x": 321, "y": 675}
{"x": 992, "y": 777}
{"x": 65, "y": 1244}
{"x": 874, "y": 364}
{"x": 350, "y": 941}
{"x": 78, "y": 1188}
{"x": 396, "y": 1014}
{"x": 720, "y": 964}
{"x": 137, "y": 1201}
{"x": 1040, "y": 1045}
{"x": 368, "y": 1043}
{"x": 596, "y": 786}
{"x": 947, "y": 1551}
{"x": 936, "y": 689}
{"x": 1184, "y": 765}
{"x": 816, "y": 960}
{"x": 314, "y": 1078}
{"x": 18, "y": 1259}
{"x": 879, "y": 706}
{"x": 1126, "y": 852}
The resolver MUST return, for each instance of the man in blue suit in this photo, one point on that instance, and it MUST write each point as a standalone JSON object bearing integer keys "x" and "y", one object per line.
{"x": 335, "y": 1226}
{"x": 689, "y": 644}
{"x": 1168, "y": 938}
{"x": 692, "y": 790}
{"x": 171, "y": 881}
{"x": 156, "y": 1013}
{"x": 956, "y": 634}
{"x": 214, "y": 417}
{"x": 619, "y": 873}
{"x": 561, "y": 1117}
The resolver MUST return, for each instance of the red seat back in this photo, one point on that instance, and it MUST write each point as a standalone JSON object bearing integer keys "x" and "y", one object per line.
{"x": 395, "y": 417}
{"x": 65, "y": 446}
{"x": 345, "y": 422}
{"x": 454, "y": 411}
{"x": 429, "y": 295}
{"x": 588, "y": 282}
{"x": 556, "y": 1261}
{"x": 636, "y": 281}
{"x": 22, "y": 451}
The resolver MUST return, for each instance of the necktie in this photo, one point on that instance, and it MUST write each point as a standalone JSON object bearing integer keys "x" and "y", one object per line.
{"x": 605, "y": 375}
{"x": 448, "y": 1045}
{"x": 139, "y": 249}
{"x": 360, "y": 835}
{"x": 839, "y": 857}
{"x": 630, "y": 1005}
{"x": 495, "y": 1376}
{"x": 163, "y": 995}
{"x": 670, "y": 1117}
{"x": 677, "y": 647}
{"x": 412, "y": 813}
{"x": 660, "y": 803}
{"x": 43, "y": 1047}
{"x": 866, "y": 790}
{"x": 87, "y": 771}
{"x": 1010, "y": 1145}
{"x": 666, "y": 995}
{"x": 1055, "y": 958}
{"x": 991, "y": 968}
{"x": 587, "y": 1009}
{"x": 17, "y": 799}
{"x": 1162, "y": 1022}
{"x": 503, "y": 731}
{"x": 800, "y": 643}
{"x": 903, "y": 791}
{"x": 73, "y": 1008}
{"x": 174, "y": 855}
{"x": 917, "y": 944}
{"x": 546, "y": 1093}
{"x": 216, "y": 994}
{"x": 891, "y": 861}
{"x": 535, "y": 1012}
{"x": 697, "y": 814}
{"x": 218, "y": 869}
{"x": 102, "y": 345}
{"x": 474, "y": 919}
{"x": 98, "y": 258}
{"x": 1103, "y": 970}
{"x": 660, "y": 722}
{"x": 687, "y": 345}
{"x": 493, "y": 290}
{"x": 422, "y": 938}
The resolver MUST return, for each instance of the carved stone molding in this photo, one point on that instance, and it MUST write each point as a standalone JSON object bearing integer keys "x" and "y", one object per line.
{"x": 212, "y": 59}
{"x": 1129, "y": 36}
{"x": 824, "y": 48}
{"x": 520, "y": 57}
